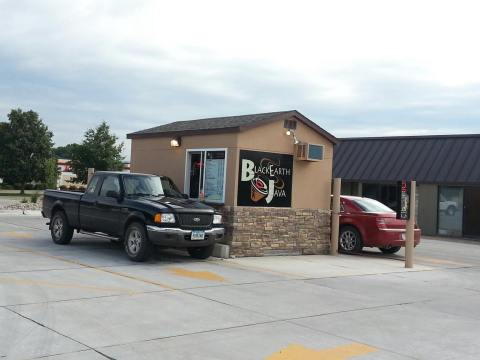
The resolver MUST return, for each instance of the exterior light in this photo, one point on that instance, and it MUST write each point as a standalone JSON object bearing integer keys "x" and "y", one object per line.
{"x": 175, "y": 142}
{"x": 292, "y": 133}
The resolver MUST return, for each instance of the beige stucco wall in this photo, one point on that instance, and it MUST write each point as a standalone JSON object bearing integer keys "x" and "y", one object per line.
{"x": 311, "y": 183}
{"x": 156, "y": 156}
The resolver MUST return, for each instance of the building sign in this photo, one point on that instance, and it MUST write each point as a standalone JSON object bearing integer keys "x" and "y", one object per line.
{"x": 403, "y": 207}
{"x": 265, "y": 179}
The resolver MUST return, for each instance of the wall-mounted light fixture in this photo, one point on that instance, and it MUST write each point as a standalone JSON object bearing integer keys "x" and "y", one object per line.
{"x": 292, "y": 133}
{"x": 175, "y": 142}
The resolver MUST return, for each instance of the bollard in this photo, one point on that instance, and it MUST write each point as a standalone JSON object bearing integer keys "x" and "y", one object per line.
{"x": 337, "y": 183}
{"x": 410, "y": 233}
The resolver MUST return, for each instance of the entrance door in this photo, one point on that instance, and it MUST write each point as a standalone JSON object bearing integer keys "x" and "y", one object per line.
{"x": 471, "y": 214}
{"x": 195, "y": 175}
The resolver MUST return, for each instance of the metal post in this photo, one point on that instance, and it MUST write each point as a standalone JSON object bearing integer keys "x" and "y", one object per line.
{"x": 337, "y": 184}
{"x": 90, "y": 174}
{"x": 410, "y": 234}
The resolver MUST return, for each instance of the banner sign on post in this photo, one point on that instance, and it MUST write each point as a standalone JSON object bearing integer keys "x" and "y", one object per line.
{"x": 265, "y": 179}
{"x": 403, "y": 196}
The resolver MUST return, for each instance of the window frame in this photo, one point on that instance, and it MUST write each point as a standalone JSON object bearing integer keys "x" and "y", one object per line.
{"x": 186, "y": 183}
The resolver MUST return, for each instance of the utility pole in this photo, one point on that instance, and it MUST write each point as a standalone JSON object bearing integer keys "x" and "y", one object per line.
{"x": 337, "y": 184}
{"x": 410, "y": 233}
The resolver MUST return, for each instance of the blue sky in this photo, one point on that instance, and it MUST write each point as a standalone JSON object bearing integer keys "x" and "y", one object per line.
{"x": 366, "y": 68}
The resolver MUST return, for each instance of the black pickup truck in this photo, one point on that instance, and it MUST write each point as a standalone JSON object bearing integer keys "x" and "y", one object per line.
{"x": 139, "y": 209}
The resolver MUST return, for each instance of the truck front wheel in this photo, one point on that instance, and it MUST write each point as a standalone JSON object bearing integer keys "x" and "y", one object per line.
{"x": 202, "y": 252}
{"x": 60, "y": 230}
{"x": 137, "y": 245}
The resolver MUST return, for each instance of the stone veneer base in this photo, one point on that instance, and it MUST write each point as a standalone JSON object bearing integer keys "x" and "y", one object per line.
{"x": 253, "y": 231}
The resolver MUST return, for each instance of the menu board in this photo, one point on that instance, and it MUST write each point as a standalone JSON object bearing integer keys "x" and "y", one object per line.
{"x": 214, "y": 179}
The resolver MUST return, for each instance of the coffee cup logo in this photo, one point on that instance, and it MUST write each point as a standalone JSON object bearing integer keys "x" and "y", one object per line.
{"x": 259, "y": 189}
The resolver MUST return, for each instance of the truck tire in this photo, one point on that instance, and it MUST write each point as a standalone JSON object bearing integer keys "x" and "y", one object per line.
{"x": 137, "y": 245}
{"x": 60, "y": 230}
{"x": 350, "y": 240}
{"x": 201, "y": 253}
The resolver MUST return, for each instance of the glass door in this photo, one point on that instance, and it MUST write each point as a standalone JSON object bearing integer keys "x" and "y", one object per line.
{"x": 205, "y": 175}
{"x": 195, "y": 174}
{"x": 450, "y": 211}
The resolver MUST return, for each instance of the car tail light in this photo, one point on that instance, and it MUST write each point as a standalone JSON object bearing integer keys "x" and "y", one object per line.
{"x": 381, "y": 223}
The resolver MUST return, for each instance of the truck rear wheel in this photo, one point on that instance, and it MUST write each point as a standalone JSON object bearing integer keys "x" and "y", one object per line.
{"x": 202, "y": 252}
{"x": 60, "y": 230}
{"x": 137, "y": 245}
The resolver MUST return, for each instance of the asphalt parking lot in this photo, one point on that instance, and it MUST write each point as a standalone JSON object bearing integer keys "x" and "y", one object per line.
{"x": 88, "y": 301}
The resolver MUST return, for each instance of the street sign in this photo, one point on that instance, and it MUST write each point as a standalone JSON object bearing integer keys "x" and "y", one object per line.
{"x": 403, "y": 196}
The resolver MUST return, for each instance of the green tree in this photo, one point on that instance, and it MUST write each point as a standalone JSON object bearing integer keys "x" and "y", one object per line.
{"x": 51, "y": 173}
{"x": 98, "y": 150}
{"x": 26, "y": 146}
{"x": 65, "y": 152}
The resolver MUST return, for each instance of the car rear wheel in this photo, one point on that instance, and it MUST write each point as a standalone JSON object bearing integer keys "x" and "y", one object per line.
{"x": 350, "y": 240}
{"x": 390, "y": 250}
{"x": 60, "y": 230}
{"x": 201, "y": 253}
{"x": 137, "y": 245}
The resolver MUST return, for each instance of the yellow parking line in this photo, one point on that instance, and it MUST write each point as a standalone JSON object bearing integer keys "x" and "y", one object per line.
{"x": 299, "y": 352}
{"x": 16, "y": 234}
{"x": 151, "y": 282}
{"x": 17, "y": 281}
{"x": 200, "y": 275}
{"x": 440, "y": 261}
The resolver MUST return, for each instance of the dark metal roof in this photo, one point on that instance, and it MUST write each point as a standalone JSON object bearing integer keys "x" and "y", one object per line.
{"x": 440, "y": 159}
{"x": 226, "y": 124}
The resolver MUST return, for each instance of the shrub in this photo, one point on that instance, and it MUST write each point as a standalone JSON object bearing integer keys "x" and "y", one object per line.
{"x": 29, "y": 186}
{"x": 82, "y": 188}
{"x": 34, "y": 198}
{"x": 63, "y": 187}
{"x": 24, "y": 201}
{"x": 73, "y": 188}
{"x": 40, "y": 186}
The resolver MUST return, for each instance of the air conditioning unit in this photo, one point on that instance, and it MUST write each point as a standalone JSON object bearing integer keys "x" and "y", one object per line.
{"x": 309, "y": 152}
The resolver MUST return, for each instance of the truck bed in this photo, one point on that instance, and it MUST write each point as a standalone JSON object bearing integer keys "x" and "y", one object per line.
{"x": 68, "y": 200}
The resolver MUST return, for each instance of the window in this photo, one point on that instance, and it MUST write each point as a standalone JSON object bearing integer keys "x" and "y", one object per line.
{"x": 110, "y": 183}
{"x": 93, "y": 186}
{"x": 450, "y": 211}
{"x": 169, "y": 188}
{"x": 141, "y": 185}
{"x": 205, "y": 174}
{"x": 370, "y": 205}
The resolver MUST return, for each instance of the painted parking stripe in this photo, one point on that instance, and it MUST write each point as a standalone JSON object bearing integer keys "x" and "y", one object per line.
{"x": 343, "y": 352}
{"x": 43, "y": 283}
{"x": 137, "y": 278}
{"x": 16, "y": 234}
{"x": 199, "y": 275}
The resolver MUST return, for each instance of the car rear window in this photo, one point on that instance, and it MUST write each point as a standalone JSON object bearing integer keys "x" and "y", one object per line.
{"x": 371, "y": 205}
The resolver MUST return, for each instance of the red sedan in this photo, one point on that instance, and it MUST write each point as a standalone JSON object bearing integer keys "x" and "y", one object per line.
{"x": 367, "y": 222}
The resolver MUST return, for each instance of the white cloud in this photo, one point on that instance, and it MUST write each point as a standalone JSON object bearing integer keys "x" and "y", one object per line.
{"x": 138, "y": 63}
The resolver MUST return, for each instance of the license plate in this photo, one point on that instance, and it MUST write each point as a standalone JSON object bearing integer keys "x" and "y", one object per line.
{"x": 198, "y": 235}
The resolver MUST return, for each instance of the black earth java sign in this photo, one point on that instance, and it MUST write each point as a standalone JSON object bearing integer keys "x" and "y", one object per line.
{"x": 265, "y": 179}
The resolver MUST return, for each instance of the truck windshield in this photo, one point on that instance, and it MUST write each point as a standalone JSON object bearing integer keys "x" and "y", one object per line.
{"x": 142, "y": 185}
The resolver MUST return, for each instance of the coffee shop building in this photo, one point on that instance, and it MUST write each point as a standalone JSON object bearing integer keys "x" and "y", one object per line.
{"x": 269, "y": 174}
